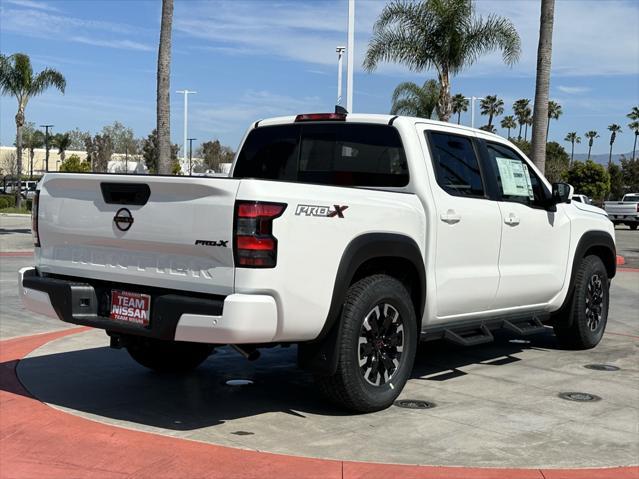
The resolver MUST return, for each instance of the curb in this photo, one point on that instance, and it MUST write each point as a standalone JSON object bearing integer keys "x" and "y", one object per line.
{"x": 15, "y": 215}
{"x": 44, "y": 442}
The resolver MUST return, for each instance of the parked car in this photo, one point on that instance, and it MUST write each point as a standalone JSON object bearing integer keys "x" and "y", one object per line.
{"x": 351, "y": 236}
{"x": 582, "y": 199}
{"x": 625, "y": 211}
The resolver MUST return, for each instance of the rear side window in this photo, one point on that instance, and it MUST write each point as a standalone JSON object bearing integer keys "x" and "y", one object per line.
{"x": 456, "y": 165}
{"x": 325, "y": 153}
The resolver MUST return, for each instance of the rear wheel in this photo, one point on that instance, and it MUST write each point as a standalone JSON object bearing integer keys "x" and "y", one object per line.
{"x": 583, "y": 323}
{"x": 168, "y": 356}
{"x": 633, "y": 226}
{"x": 378, "y": 339}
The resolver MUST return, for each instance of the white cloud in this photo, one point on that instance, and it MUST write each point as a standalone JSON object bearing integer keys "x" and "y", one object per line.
{"x": 123, "y": 44}
{"x": 573, "y": 90}
{"x": 33, "y": 4}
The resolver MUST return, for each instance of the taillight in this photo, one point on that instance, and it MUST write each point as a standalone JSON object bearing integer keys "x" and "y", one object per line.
{"x": 255, "y": 245}
{"x": 321, "y": 117}
{"x": 34, "y": 218}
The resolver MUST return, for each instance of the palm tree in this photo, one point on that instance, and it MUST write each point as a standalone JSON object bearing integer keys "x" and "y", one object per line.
{"x": 554, "y": 112}
{"x": 614, "y": 129}
{"x": 31, "y": 140}
{"x": 528, "y": 121}
{"x": 163, "y": 87}
{"x": 413, "y": 100}
{"x": 459, "y": 104}
{"x": 509, "y": 123}
{"x": 18, "y": 79}
{"x": 591, "y": 135}
{"x": 519, "y": 109}
{"x": 539, "y": 118}
{"x": 488, "y": 128}
{"x": 444, "y": 35}
{"x": 62, "y": 143}
{"x": 491, "y": 106}
{"x": 573, "y": 138}
{"x": 634, "y": 126}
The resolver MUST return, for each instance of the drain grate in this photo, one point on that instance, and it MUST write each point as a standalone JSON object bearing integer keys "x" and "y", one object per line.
{"x": 602, "y": 367}
{"x": 238, "y": 382}
{"x": 414, "y": 404}
{"x": 579, "y": 397}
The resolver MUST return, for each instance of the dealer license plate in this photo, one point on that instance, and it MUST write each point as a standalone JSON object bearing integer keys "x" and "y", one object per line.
{"x": 130, "y": 307}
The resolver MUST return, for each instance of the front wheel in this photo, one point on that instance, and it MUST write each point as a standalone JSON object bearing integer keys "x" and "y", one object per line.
{"x": 583, "y": 323}
{"x": 168, "y": 356}
{"x": 378, "y": 341}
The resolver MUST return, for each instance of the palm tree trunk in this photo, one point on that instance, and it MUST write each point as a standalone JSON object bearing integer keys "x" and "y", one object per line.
{"x": 490, "y": 121}
{"x": 31, "y": 155}
{"x": 520, "y": 125}
{"x": 19, "y": 125}
{"x": 526, "y": 132}
{"x": 547, "y": 129}
{"x": 542, "y": 85}
{"x": 509, "y": 133}
{"x": 634, "y": 148}
{"x": 610, "y": 156}
{"x": 163, "y": 86}
{"x": 589, "y": 148}
{"x": 572, "y": 153}
{"x": 459, "y": 119}
{"x": 444, "y": 95}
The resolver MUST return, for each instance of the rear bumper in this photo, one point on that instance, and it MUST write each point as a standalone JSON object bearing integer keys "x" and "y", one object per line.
{"x": 236, "y": 319}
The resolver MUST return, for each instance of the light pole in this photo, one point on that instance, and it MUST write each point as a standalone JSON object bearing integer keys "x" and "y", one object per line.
{"x": 186, "y": 94}
{"x": 46, "y": 146}
{"x": 350, "y": 55}
{"x": 191, "y": 140}
{"x": 340, "y": 54}
{"x": 472, "y": 108}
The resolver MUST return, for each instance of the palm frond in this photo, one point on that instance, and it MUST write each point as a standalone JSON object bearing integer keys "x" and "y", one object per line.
{"x": 45, "y": 79}
{"x": 490, "y": 34}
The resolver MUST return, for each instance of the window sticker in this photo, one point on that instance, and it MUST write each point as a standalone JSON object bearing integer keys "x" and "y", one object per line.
{"x": 515, "y": 178}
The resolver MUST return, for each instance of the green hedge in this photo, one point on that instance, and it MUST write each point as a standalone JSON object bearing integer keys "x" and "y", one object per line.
{"x": 7, "y": 201}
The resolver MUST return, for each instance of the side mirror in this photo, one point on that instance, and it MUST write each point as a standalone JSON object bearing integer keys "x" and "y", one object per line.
{"x": 561, "y": 193}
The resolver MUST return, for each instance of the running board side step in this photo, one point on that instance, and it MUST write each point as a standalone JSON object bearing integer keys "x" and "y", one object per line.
{"x": 469, "y": 337}
{"x": 525, "y": 328}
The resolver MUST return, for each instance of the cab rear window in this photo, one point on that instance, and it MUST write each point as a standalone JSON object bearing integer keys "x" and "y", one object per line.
{"x": 343, "y": 154}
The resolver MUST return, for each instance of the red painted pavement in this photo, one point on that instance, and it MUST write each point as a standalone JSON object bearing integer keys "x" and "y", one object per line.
{"x": 13, "y": 254}
{"x": 620, "y": 260}
{"x": 39, "y": 441}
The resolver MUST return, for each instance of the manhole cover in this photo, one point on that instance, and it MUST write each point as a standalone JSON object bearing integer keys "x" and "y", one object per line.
{"x": 238, "y": 382}
{"x": 414, "y": 404}
{"x": 602, "y": 367}
{"x": 580, "y": 397}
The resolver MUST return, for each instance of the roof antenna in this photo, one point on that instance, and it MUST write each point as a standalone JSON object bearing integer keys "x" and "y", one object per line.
{"x": 341, "y": 110}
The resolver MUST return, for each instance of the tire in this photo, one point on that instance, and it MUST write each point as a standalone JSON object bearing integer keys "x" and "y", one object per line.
{"x": 582, "y": 324}
{"x": 363, "y": 382}
{"x": 633, "y": 226}
{"x": 168, "y": 356}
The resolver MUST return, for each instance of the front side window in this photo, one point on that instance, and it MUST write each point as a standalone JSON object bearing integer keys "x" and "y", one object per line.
{"x": 456, "y": 165}
{"x": 516, "y": 180}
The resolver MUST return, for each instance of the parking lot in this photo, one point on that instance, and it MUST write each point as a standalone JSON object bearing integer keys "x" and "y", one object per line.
{"x": 495, "y": 406}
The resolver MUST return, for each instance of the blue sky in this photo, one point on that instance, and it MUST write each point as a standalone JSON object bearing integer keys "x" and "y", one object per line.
{"x": 258, "y": 58}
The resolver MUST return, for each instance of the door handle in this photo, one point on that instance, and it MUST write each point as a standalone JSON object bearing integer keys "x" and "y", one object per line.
{"x": 511, "y": 220}
{"x": 450, "y": 217}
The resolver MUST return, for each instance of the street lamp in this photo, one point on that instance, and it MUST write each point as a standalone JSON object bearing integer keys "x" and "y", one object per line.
{"x": 191, "y": 140}
{"x": 186, "y": 94}
{"x": 472, "y": 108}
{"x": 340, "y": 52}
{"x": 46, "y": 146}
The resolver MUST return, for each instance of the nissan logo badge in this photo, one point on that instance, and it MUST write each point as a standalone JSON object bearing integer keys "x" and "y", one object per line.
{"x": 123, "y": 219}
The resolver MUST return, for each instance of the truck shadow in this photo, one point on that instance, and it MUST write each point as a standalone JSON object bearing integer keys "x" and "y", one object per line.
{"x": 108, "y": 384}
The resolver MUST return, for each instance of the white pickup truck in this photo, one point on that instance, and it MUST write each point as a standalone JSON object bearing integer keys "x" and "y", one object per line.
{"x": 625, "y": 211}
{"x": 351, "y": 236}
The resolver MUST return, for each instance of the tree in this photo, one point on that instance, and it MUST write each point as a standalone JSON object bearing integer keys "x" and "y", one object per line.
{"x": 122, "y": 137}
{"x": 99, "y": 150}
{"x": 554, "y": 112}
{"x": 613, "y": 129}
{"x": 591, "y": 135}
{"x": 491, "y": 106}
{"x": 18, "y": 79}
{"x": 521, "y": 110}
{"x": 412, "y": 100}
{"x": 443, "y": 35}
{"x": 32, "y": 139}
{"x": 634, "y": 126}
{"x": 527, "y": 122}
{"x": 508, "y": 122}
{"x": 74, "y": 164}
{"x": 163, "y": 126}
{"x": 557, "y": 162}
{"x": 573, "y": 138}
{"x": 214, "y": 153}
{"x": 488, "y": 128}
{"x": 459, "y": 104}
{"x": 540, "y": 116}
{"x": 616, "y": 182}
{"x": 77, "y": 138}
{"x": 151, "y": 153}
{"x": 630, "y": 174}
{"x": 589, "y": 178}
{"x": 61, "y": 141}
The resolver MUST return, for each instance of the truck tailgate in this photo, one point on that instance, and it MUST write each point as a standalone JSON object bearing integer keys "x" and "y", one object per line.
{"x": 178, "y": 238}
